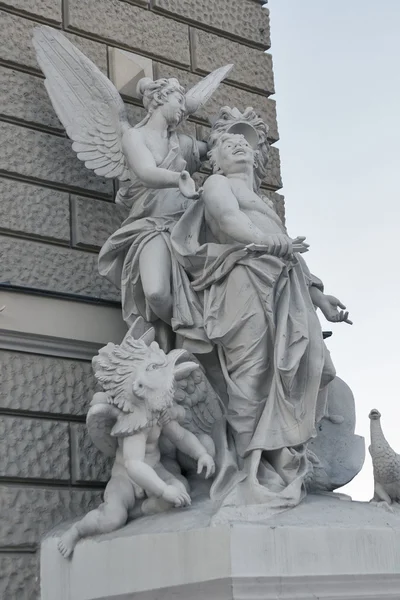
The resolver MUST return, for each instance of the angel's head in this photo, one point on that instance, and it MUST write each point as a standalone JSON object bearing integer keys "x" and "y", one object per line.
{"x": 166, "y": 96}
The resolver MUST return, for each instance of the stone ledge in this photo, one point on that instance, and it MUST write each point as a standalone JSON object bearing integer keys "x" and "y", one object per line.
{"x": 325, "y": 548}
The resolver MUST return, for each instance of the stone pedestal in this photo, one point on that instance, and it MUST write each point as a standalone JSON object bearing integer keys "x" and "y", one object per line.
{"x": 326, "y": 548}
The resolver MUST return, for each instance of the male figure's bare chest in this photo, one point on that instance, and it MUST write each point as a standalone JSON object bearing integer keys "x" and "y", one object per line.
{"x": 246, "y": 198}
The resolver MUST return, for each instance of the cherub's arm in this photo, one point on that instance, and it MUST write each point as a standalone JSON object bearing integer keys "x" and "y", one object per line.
{"x": 133, "y": 451}
{"x": 188, "y": 443}
{"x": 223, "y": 208}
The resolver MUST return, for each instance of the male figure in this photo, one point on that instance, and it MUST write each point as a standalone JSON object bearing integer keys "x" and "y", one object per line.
{"x": 259, "y": 310}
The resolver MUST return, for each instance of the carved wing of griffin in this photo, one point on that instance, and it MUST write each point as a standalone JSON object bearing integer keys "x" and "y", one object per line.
{"x": 86, "y": 102}
{"x": 202, "y": 404}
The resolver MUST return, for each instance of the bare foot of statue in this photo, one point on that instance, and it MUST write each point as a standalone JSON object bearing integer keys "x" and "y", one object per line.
{"x": 68, "y": 541}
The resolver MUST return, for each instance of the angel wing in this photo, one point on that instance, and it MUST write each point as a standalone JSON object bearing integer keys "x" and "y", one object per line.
{"x": 86, "y": 102}
{"x": 199, "y": 94}
{"x": 100, "y": 420}
{"x": 202, "y": 404}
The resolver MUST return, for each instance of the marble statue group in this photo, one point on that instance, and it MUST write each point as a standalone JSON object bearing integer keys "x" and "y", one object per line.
{"x": 223, "y": 391}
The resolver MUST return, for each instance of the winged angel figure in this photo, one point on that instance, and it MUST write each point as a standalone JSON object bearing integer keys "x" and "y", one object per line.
{"x": 152, "y": 157}
{"x": 148, "y": 395}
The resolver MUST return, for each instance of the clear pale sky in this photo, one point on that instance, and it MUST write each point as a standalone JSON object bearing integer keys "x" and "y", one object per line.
{"x": 337, "y": 75}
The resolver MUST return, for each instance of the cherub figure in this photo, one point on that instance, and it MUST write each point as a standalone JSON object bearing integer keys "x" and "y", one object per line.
{"x": 127, "y": 419}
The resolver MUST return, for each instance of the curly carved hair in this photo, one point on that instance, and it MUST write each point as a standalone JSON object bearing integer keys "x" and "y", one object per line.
{"x": 213, "y": 153}
{"x": 155, "y": 93}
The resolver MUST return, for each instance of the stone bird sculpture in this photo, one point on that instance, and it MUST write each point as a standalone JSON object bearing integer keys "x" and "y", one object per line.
{"x": 386, "y": 463}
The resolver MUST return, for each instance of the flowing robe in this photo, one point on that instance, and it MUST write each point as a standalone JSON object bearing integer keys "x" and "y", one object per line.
{"x": 259, "y": 313}
{"x": 153, "y": 212}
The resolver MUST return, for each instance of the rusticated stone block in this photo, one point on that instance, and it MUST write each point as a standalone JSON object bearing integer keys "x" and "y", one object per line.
{"x": 279, "y": 202}
{"x": 241, "y": 18}
{"x": 48, "y": 9}
{"x": 87, "y": 462}
{"x": 18, "y": 48}
{"x": 34, "y": 448}
{"x": 253, "y": 68}
{"x": 24, "y": 96}
{"x": 129, "y": 25}
{"x": 93, "y": 221}
{"x": 27, "y": 513}
{"x": 273, "y": 179}
{"x": 34, "y": 210}
{"x": 52, "y": 268}
{"x": 19, "y": 576}
{"x": 46, "y": 157}
{"x": 45, "y": 383}
{"x": 226, "y": 95}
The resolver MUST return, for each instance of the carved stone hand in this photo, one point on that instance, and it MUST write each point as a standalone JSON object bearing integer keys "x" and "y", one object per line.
{"x": 330, "y": 306}
{"x": 187, "y": 186}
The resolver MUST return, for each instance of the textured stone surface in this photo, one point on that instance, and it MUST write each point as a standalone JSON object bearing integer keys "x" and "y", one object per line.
{"x": 47, "y": 157}
{"x": 47, "y": 9}
{"x": 17, "y": 48}
{"x": 34, "y": 448}
{"x": 45, "y": 383}
{"x": 19, "y": 576}
{"x": 34, "y": 210}
{"x": 131, "y": 26}
{"x": 135, "y": 113}
{"x": 241, "y": 18}
{"x": 273, "y": 178}
{"x": 226, "y": 95}
{"x": 27, "y": 513}
{"x": 46, "y": 267}
{"x": 24, "y": 96}
{"x": 87, "y": 463}
{"x": 278, "y": 200}
{"x": 252, "y": 68}
{"x": 93, "y": 221}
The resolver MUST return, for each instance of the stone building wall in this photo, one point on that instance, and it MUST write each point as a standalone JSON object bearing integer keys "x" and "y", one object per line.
{"x": 54, "y": 217}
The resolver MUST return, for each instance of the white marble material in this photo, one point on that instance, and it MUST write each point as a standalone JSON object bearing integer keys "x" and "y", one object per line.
{"x": 386, "y": 463}
{"x": 146, "y": 398}
{"x": 325, "y": 548}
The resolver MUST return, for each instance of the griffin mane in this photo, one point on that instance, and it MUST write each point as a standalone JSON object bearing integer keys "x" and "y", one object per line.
{"x": 116, "y": 367}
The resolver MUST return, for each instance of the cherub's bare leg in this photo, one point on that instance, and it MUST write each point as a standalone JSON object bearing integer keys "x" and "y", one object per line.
{"x": 119, "y": 498}
{"x": 155, "y": 505}
{"x": 155, "y": 273}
